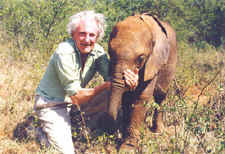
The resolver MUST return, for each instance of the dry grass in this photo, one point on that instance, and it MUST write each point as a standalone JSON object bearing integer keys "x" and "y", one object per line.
{"x": 196, "y": 83}
{"x": 17, "y": 85}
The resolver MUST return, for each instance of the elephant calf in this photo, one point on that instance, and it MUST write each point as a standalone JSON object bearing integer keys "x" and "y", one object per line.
{"x": 145, "y": 43}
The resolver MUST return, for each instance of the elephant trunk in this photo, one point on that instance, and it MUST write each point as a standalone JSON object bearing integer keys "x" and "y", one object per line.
{"x": 118, "y": 88}
{"x": 115, "y": 100}
{"x": 110, "y": 120}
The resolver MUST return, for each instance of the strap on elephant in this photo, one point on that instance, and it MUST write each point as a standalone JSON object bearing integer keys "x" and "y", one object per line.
{"x": 156, "y": 19}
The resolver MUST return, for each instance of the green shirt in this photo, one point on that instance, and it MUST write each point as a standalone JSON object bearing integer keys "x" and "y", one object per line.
{"x": 64, "y": 75}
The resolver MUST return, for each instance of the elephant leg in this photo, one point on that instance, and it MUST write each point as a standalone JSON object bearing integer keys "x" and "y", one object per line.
{"x": 137, "y": 112}
{"x": 157, "y": 123}
{"x": 165, "y": 77}
{"x": 137, "y": 118}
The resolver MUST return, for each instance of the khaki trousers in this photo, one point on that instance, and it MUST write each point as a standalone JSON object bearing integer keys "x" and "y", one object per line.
{"x": 56, "y": 121}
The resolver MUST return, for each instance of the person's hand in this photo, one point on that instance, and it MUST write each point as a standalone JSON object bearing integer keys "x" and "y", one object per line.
{"x": 131, "y": 78}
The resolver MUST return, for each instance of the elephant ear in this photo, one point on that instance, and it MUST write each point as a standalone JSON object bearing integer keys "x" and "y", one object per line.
{"x": 160, "y": 50}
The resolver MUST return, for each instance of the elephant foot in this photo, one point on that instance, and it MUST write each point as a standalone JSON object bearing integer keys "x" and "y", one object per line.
{"x": 130, "y": 145}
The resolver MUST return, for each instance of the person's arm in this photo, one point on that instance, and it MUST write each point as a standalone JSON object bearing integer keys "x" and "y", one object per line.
{"x": 84, "y": 95}
{"x": 66, "y": 67}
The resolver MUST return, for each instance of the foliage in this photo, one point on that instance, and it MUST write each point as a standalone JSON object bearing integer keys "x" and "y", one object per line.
{"x": 41, "y": 24}
{"x": 37, "y": 24}
{"x": 205, "y": 21}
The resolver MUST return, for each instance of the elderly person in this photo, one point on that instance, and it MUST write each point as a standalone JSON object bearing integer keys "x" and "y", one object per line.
{"x": 70, "y": 68}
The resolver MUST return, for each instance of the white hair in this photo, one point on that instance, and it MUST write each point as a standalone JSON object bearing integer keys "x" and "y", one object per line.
{"x": 76, "y": 18}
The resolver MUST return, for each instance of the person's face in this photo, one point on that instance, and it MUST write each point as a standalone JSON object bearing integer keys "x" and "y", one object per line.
{"x": 85, "y": 36}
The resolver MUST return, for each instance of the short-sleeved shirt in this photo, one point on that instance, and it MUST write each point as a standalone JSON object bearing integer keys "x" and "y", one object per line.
{"x": 64, "y": 75}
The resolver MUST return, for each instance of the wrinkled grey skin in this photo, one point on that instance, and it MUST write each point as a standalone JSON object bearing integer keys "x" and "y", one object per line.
{"x": 142, "y": 42}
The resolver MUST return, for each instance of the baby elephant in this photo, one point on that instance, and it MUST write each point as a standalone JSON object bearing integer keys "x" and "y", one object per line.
{"x": 145, "y": 43}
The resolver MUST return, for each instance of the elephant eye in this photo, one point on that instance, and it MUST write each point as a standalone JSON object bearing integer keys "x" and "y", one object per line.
{"x": 140, "y": 61}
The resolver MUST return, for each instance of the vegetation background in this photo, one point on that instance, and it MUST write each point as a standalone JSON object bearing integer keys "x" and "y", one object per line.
{"x": 31, "y": 29}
